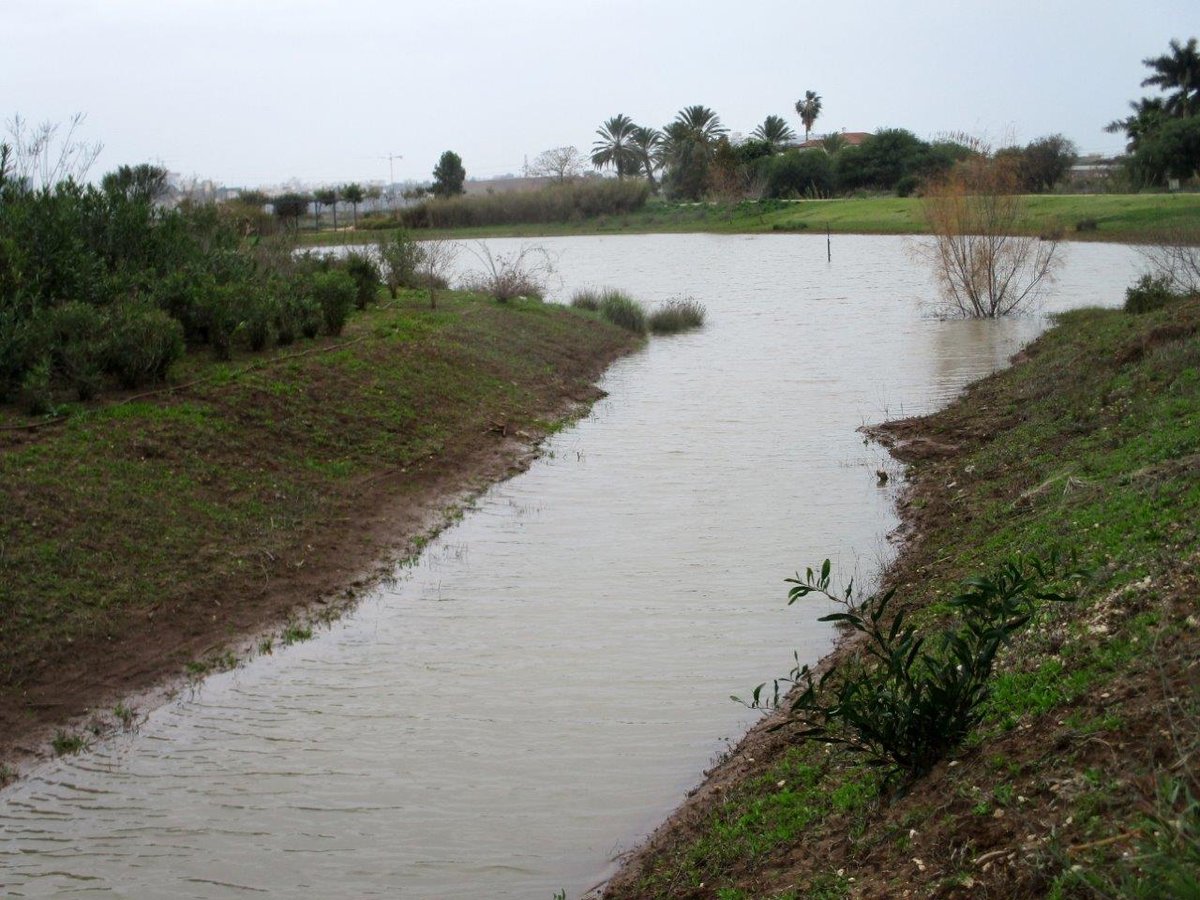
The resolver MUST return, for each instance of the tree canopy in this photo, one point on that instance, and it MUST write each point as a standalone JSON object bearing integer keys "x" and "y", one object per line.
{"x": 1163, "y": 131}
{"x": 449, "y": 175}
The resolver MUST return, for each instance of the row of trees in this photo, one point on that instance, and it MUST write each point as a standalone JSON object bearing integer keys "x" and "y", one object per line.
{"x": 693, "y": 157}
{"x": 1163, "y": 131}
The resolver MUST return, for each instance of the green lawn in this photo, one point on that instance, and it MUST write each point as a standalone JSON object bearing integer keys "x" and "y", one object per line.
{"x": 1117, "y": 217}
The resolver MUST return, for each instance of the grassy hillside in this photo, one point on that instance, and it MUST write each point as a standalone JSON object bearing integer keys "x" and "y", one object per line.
{"x": 1117, "y": 217}
{"x": 1081, "y": 779}
{"x": 142, "y": 536}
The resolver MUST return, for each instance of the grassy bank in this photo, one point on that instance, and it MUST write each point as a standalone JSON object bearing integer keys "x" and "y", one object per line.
{"x": 143, "y": 535}
{"x": 1080, "y": 780}
{"x": 1117, "y": 217}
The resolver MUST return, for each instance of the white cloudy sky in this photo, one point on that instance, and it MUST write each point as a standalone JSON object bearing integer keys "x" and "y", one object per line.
{"x": 259, "y": 91}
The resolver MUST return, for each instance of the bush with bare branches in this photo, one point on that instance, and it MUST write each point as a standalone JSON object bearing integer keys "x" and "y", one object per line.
{"x": 525, "y": 272}
{"x": 984, "y": 267}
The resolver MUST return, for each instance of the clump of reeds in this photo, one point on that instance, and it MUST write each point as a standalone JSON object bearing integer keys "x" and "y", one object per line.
{"x": 588, "y": 299}
{"x": 622, "y": 310}
{"x": 678, "y": 314}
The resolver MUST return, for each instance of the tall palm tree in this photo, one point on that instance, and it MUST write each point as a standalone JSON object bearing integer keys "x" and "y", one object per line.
{"x": 775, "y": 133}
{"x": 648, "y": 142}
{"x": 615, "y": 147}
{"x": 1177, "y": 71}
{"x": 808, "y": 109}
{"x": 688, "y": 146}
{"x": 701, "y": 124}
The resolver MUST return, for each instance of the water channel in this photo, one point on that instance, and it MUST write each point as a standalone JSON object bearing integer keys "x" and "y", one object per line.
{"x": 550, "y": 678}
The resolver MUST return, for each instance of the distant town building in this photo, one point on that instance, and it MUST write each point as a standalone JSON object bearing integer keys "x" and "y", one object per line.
{"x": 852, "y": 139}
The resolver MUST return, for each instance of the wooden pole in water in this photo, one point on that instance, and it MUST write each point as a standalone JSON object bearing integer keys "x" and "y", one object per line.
{"x": 828, "y": 245}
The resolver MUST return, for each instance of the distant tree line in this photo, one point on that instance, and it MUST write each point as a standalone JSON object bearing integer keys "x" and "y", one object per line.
{"x": 693, "y": 157}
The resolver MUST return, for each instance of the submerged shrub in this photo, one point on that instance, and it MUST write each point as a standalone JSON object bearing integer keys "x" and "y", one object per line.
{"x": 622, "y": 310}
{"x": 679, "y": 314}
{"x": 1148, "y": 293}
{"x": 143, "y": 342}
{"x": 334, "y": 293}
{"x": 587, "y": 298}
{"x": 909, "y": 698}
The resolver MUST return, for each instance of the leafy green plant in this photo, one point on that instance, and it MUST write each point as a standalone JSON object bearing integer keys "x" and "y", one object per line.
{"x": 74, "y": 334}
{"x": 401, "y": 259}
{"x": 142, "y": 344}
{"x": 1148, "y": 293}
{"x": 622, "y": 310}
{"x": 366, "y": 277}
{"x": 260, "y": 314}
{"x": 35, "y": 394}
{"x": 678, "y": 314}
{"x": 334, "y": 292}
{"x": 909, "y": 698}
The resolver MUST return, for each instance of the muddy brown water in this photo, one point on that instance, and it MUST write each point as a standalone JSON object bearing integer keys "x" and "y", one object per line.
{"x": 552, "y": 676}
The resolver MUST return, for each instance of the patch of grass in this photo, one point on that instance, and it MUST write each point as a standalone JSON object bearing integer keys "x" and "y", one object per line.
{"x": 65, "y": 743}
{"x": 125, "y": 715}
{"x": 1116, "y": 217}
{"x": 295, "y": 633}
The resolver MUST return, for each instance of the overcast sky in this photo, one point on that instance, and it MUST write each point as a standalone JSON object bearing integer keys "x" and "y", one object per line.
{"x": 250, "y": 92}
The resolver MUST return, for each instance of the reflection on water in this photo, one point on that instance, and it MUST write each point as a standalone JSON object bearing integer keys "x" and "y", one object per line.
{"x": 552, "y": 676}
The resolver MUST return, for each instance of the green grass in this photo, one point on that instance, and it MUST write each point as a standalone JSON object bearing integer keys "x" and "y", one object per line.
{"x": 64, "y": 743}
{"x": 1118, "y": 217}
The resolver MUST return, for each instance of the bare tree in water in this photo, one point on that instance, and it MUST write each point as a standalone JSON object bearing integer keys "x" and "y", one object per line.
{"x": 984, "y": 266}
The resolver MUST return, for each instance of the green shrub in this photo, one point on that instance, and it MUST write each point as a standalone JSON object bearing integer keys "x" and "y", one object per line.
{"x": 261, "y": 312}
{"x": 366, "y": 277}
{"x": 334, "y": 293}
{"x": 907, "y": 185}
{"x": 74, "y": 336}
{"x": 1149, "y": 293}
{"x": 622, "y": 310}
{"x": 797, "y": 173}
{"x": 909, "y": 698}
{"x": 35, "y": 394}
{"x": 143, "y": 342}
{"x": 679, "y": 314}
{"x": 181, "y": 295}
{"x": 401, "y": 258}
{"x": 1087, "y": 225}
